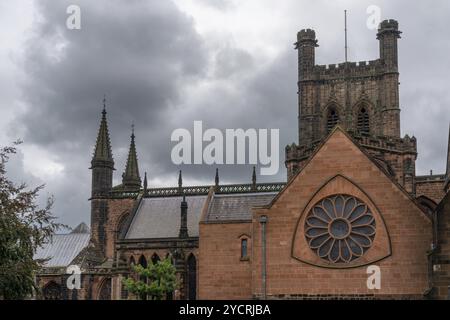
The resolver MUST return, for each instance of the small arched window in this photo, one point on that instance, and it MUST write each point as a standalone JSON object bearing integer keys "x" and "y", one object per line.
{"x": 155, "y": 258}
{"x": 132, "y": 262}
{"x": 244, "y": 248}
{"x": 363, "y": 124}
{"x": 52, "y": 291}
{"x": 332, "y": 118}
{"x": 105, "y": 290}
{"x": 143, "y": 261}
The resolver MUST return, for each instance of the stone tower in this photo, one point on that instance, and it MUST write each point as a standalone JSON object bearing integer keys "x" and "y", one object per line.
{"x": 102, "y": 166}
{"x": 361, "y": 97}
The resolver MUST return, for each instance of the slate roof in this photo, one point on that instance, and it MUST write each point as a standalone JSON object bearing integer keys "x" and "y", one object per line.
{"x": 236, "y": 207}
{"x": 160, "y": 217}
{"x": 63, "y": 248}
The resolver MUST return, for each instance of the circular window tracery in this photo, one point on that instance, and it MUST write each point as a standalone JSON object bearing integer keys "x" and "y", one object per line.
{"x": 340, "y": 228}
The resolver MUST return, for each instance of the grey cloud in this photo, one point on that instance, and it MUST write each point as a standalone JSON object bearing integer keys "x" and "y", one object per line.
{"x": 158, "y": 72}
{"x": 138, "y": 53}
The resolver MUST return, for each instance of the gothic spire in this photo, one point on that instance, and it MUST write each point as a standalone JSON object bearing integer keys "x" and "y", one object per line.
{"x": 102, "y": 153}
{"x": 447, "y": 172}
{"x": 131, "y": 178}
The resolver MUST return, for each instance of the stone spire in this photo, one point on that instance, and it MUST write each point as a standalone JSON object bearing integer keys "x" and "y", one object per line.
{"x": 447, "y": 172}
{"x": 130, "y": 178}
{"x": 102, "y": 153}
{"x": 102, "y": 163}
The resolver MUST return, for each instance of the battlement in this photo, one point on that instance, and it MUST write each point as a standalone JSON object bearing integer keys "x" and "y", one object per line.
{"x": 389, "y": 24}
{"x": 391, "y": 144}
{"x": 388, "y": 27}
{"x": 361, "y": 69}
{"x": 306, "y": 34}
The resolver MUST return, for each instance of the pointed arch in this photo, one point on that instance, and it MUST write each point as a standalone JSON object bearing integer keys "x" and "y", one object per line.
{"x": 348, "y": 188}
{"x": 104, "y": 292}
{"x": 363, "y": 119}
{"x": 155, "y": 258}
{"x": 52, "y": 291}
{"x": 191, "y": 277}
{"x": 427, "y": 204}
{"x": 332, "y": 117}
{"x": 121, "y": 225}
{"x": 132, "y": 262}
{"x": 143, "y": 261}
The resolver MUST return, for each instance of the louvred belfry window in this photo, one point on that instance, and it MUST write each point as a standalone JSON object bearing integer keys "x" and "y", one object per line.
{"x": 332, "y": 119}
{"x": 363, "y": 124}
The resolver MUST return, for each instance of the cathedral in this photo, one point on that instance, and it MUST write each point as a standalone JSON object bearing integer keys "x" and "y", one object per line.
{"x": 351, "y": 203}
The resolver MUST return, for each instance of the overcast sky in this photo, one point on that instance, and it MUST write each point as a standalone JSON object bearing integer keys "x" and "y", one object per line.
{"x": 164, "y": 64}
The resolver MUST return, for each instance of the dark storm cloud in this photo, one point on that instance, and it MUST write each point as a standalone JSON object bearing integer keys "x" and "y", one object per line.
{"x": 158, "y": 72}
{"x": 138, "y": 53}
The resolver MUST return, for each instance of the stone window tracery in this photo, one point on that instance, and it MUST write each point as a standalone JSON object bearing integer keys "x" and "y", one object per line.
{"x": 363, "y": 121}
{"x": 332, "y": 119}
{"x": 340, "y": 228}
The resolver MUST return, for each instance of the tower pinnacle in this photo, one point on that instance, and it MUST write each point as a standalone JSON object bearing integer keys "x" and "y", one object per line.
{"x": 130, "y": 178}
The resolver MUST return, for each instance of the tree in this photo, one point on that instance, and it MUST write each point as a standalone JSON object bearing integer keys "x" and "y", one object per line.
{"x": 155, "y": 281}
{"x": 23, "y": 228}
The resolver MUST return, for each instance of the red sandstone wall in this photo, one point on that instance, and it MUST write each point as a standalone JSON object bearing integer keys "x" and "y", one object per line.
{"x": 117, "y": 209}
{"x": 441, "y": 259}
{"x": 403, "y": 273}
{"x": 222, "y": 274}
{"x": 431, "y": 189}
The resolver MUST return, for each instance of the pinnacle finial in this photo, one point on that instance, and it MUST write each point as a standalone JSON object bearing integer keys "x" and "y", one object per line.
{"x": 216, "y": 180}
{"x": 254, "y": 178}
{"x": 131, "y": 178}
{"x": 145, "y": 182}
{"x": 104, "y": 104}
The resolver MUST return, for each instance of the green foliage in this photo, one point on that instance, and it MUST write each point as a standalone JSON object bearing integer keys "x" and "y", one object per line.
{"x": 23, "y": 228}
{"x": 154, "y": 282}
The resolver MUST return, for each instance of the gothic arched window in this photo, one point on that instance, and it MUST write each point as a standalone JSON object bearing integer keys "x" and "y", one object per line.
{"x": 332, "y": 118}
{"x": 340, "y": 228}
{"x": 52, "y": 291}
{"x": 143, "y": 261}
{"x": 244, "y": 248}
{"x": 105, "y": 290}
{"x": 132, "y": 262}
{"x": 155, "y": 258}
{"x": 363, "y": 124}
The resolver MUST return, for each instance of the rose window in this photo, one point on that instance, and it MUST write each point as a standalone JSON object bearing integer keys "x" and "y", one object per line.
{"x": 340, "y": 228}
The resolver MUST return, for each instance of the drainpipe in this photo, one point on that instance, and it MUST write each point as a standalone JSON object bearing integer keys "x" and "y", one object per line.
{"x": 263, "y": 221}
